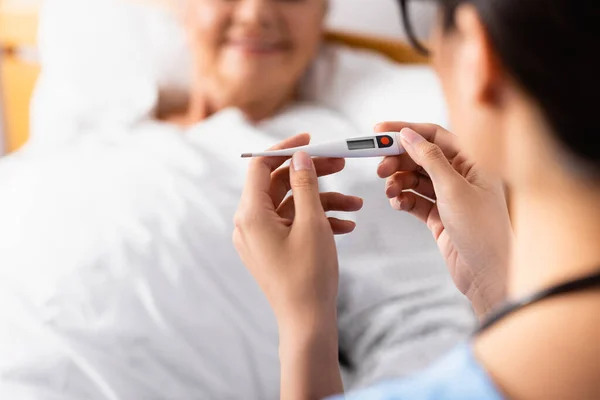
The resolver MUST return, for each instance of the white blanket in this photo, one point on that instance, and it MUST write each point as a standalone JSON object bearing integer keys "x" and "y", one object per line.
{"x": 118, "y": 279}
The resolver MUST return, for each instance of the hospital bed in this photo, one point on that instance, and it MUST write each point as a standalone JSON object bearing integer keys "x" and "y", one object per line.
{"x": 166, "y": 200}
{"x": 19, "y": 67}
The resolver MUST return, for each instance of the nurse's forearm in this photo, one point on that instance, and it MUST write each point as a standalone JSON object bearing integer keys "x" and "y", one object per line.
{"x": 308, "y": 353}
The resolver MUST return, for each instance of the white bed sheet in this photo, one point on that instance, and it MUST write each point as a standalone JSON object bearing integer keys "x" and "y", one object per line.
{"x": 119, "y": 280}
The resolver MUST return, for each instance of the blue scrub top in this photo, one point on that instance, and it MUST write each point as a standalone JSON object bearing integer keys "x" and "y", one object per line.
{"x": 458, "y": 376}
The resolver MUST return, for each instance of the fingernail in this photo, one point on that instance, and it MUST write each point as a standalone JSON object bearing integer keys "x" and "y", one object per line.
{"x": 411, "y": 137}
{"x": 302, "y": 161}
{"x": 397, "y": 204}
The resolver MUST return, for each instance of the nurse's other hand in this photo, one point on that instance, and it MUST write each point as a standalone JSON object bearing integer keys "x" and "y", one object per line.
{"x": 469, "y": 218}
{"x": 288, "y": 243}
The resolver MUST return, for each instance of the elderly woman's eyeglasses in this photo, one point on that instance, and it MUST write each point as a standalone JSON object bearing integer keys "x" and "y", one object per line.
{"x": 423, "y": 11}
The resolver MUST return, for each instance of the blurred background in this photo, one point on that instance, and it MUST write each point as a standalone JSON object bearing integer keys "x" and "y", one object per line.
{"x": 19, "y": 69}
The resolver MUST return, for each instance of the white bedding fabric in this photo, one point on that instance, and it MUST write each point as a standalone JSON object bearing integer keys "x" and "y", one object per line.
{"x": 118, "y": 279}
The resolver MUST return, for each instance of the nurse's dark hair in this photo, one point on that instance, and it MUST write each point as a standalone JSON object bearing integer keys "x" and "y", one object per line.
{"x": 552, "y": 49}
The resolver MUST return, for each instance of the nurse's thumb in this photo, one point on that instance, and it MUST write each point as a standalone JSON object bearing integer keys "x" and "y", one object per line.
{"x": 429, "y": 156}
{"x": 305, "y": 186}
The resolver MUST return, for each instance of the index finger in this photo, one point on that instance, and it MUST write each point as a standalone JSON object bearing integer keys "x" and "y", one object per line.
{"x": 445, "y": 140}
{"x": 258, "y": 181}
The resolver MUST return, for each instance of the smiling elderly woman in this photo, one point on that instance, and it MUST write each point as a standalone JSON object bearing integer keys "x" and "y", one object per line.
{"x": 249, "y": 54}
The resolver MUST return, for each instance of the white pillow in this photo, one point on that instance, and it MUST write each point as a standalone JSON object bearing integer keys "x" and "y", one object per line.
{"x": 368, "y": 88}
{"x": 377, "y": 17}
{"x": 103, "y": 62}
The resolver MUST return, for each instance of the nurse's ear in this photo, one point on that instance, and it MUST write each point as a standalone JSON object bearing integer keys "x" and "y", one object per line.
{"x": 482, "y": 76}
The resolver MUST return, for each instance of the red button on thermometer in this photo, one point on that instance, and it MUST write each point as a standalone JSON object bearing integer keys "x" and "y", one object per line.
{"x": 384, "y": 144}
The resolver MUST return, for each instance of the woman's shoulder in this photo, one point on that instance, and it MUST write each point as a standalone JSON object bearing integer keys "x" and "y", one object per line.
{"x": 457, "y": 376}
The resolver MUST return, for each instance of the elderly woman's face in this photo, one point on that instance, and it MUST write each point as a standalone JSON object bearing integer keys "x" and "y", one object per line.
{"x": 252, "y": 48}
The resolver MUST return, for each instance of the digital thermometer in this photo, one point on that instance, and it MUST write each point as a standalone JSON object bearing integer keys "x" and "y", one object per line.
{"x": 383, "y": 144}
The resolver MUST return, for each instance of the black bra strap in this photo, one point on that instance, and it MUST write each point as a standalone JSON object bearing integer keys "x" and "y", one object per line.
{"x": 588, "y": 282}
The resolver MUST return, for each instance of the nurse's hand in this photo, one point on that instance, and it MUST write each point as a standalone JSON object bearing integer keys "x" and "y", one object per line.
{"x": 288, "y": 243}
{"x": 469, "y": 218}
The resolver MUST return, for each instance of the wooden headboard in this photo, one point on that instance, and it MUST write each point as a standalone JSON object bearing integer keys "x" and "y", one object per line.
{"x": 19, "y": 69}
{"x": 18, "y": 72}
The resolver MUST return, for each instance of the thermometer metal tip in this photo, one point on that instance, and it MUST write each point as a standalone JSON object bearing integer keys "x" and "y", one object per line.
{"x": 247, "y": 155}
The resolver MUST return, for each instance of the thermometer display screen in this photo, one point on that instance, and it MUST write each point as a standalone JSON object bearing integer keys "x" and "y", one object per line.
{"x": 361, "y": 144}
